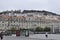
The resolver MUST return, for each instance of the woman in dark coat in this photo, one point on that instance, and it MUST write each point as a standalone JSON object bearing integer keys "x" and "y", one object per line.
{"x": 1, "y": 35}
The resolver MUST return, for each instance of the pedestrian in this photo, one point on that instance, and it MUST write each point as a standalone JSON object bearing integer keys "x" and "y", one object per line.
{"x": 46, "y": 35}
{"x": 1, "y": 35}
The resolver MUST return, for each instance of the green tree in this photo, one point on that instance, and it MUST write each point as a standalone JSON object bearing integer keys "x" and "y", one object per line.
{"x": 47, "y": 29}
{"x": 13, "y": 29}
{"x": 31, "y": 29}
{"x": 39, "y": 29}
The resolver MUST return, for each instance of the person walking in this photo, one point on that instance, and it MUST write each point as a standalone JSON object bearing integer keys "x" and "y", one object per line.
{"x": 46, "y": 35}
{"x": 1, "y": 35}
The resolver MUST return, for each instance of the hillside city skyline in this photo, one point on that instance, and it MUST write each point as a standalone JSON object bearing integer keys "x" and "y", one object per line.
{"x": 29, "y": 19}
{"x": 29, "y": 11}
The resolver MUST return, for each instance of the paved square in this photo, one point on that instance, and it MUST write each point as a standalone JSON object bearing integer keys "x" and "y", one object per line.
{"x": 34, "y": 37}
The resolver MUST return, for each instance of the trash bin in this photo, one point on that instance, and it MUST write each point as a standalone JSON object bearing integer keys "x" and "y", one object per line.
{"x": 17, "y": 33}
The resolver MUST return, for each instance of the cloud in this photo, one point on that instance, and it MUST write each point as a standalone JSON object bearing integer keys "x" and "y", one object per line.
{"x": 49, "y": 5}
{"x": 21, "y": 4}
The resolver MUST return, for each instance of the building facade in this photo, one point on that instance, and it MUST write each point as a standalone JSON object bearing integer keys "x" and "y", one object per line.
{"x": 29, "y": 19}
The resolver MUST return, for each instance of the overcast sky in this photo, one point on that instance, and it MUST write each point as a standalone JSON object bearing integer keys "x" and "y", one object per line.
{"x": 48, "y": 5}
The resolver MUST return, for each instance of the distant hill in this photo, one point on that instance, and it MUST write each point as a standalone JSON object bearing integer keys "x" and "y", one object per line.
{"x": 38, "y": 11}
{"x": 30, "y": 11}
